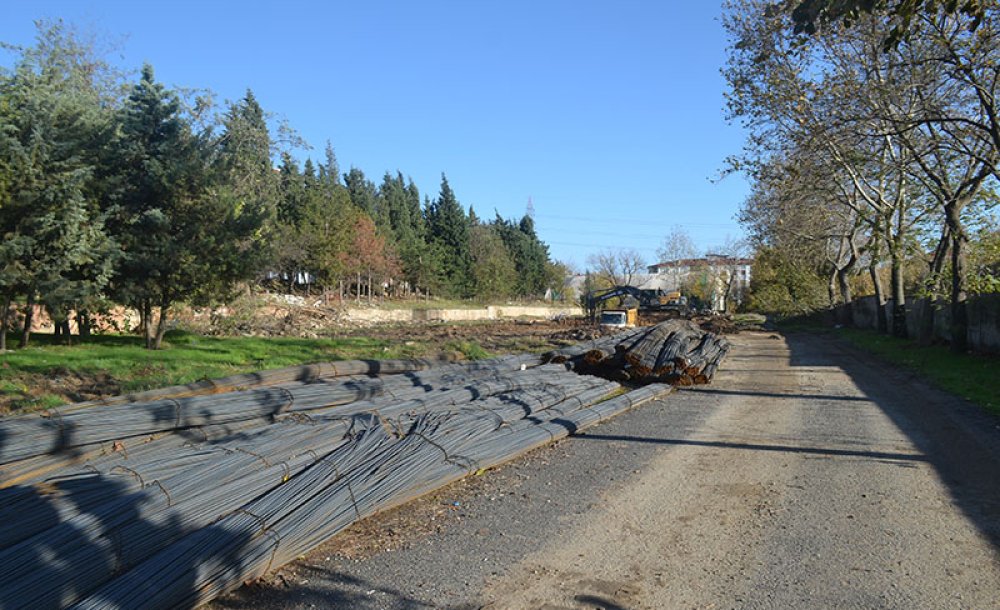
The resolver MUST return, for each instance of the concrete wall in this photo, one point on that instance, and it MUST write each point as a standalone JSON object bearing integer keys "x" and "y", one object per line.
{"x": 984, "y": 318}
{"x": 459, "y": 315}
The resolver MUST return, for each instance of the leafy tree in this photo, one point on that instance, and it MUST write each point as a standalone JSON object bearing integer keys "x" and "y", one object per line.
{"x": 912, "y": 127}
{"x": 557, "y": 274}
{"x": 785, "y": 285}
{"x": 401, "y": 203}
{"x": 369, "y": 257}
{"x": 809, "y": 16}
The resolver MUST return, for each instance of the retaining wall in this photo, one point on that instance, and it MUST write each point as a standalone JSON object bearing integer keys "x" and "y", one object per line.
{"x": 493, "y": 312}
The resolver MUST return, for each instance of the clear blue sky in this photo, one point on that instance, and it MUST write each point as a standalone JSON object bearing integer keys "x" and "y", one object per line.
{"x": 608, "y": 115}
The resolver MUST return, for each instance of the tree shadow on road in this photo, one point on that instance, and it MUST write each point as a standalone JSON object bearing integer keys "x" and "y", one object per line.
{"x": 959, "y": 439}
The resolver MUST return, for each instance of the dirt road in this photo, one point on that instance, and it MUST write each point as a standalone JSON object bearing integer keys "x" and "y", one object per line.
{"x": 805, "y": 476}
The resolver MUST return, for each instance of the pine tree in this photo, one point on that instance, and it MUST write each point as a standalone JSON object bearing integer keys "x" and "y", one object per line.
{"x": 170, "y": 230}
{"x": 330, "y": 170}
{"x": 53, "y": 122}
{"x": 448, "y": 227}
{"x": 493, "y": 273}
{"x": 249, "y": 192}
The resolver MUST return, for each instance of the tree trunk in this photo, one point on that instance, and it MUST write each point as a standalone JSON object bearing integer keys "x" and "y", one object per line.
{"x": 83, "y": 318}
{"x": 959, "y": 313}
{"x": 843, "y": 282}
{"x": 831, "y": 288}
{"x": 357, "y": 289}
{"x": 147, "y": 305}
{"x": 4, "y": 318}
{"x": 161, "y": 325}
{"x": 882, "y": 320}
{"x": 926, "y": 332}
{"x": 29, "y": 317}
{"x": 369, "y": 288}
{"x": 898, "y": 297}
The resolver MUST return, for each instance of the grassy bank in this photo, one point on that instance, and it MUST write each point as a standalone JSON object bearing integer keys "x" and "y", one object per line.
{"x": 973, "y": 377}
{"x": 47, "y": 374}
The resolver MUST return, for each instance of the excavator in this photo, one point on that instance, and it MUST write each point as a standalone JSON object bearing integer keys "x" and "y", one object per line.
{"x": 642, "y": 301}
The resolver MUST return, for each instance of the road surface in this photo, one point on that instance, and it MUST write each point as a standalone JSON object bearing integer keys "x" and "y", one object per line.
{"x": 808, "y": 475}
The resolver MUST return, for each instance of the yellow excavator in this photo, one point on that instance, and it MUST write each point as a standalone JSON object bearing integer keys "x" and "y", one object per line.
{"x": 638, "y": 301}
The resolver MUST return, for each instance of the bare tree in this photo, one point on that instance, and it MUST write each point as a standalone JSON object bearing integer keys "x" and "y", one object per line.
{"x": 617, "y": 266}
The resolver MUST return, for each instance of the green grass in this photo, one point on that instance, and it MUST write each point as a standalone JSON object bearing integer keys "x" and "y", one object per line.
{"x": 471, "y": 350}
{"x": 973, "y": 377}
{"x": 25, "y": 374}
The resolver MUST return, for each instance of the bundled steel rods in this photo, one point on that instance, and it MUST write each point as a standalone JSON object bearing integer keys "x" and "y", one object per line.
{"x": 168, "y": 502}
{"x": 675, "y": 352}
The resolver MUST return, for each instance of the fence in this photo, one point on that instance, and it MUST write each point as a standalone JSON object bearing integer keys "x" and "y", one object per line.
{"x": 984, "y": 318}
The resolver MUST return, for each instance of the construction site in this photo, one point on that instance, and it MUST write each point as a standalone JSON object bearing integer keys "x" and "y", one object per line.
{"x": 444, "y": 482}
{"x": 171, "y": 497}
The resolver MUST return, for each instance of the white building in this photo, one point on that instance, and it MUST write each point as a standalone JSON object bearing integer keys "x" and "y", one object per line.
{"x": 728, "y": 275}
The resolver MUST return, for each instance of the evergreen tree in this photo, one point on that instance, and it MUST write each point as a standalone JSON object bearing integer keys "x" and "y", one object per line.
{"x": 533, "y": 260}
{"x": 448, "y": 227}
{"x": 325, "y": 235}
{"x": 172, "y": 230}
{"x": 330, "y": 170}
{"x": 249, "y": 192}
{"x": 530, "y": 255}
{"x": 493, "y": 273}
{"x": 292, "y": 192}
{"x": 53, "y": 121}
{"x": 364, "y": 195}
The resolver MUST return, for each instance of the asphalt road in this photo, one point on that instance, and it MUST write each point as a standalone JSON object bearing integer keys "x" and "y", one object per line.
{"x": 807, "y": 475}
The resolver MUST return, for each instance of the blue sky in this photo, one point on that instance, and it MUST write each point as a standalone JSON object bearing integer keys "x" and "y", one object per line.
{"x": 608, "y": 115}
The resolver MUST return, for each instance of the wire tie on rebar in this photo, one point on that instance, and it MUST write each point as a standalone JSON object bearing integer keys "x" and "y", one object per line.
{"x": 288, "y": 472}
{"x": 170, "y": 501}
{"x": 132, "y": 472}
{"x": 447, "y": 457}
{"x": 350, "y": 491}
{"x": 177, "y": 411}
{"x": 267, "y": 531}
{"x": 260, "y": 520}
{"x": 256, "y": 455}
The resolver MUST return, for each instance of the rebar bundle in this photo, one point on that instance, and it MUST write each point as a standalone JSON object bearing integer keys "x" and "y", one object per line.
{"x": 169, "y": 502}
{"x": 675, "y": 352}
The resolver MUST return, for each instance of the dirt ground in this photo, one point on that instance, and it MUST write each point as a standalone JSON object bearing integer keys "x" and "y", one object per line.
{"x": 808, "y": 475}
